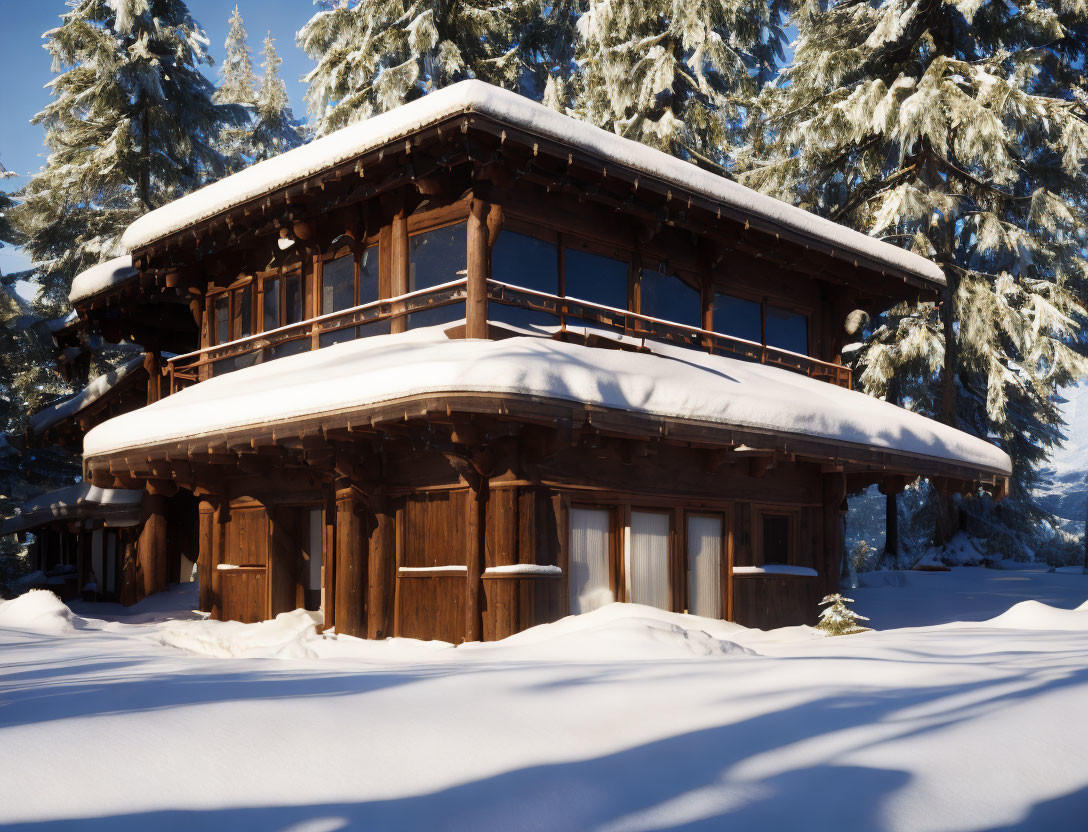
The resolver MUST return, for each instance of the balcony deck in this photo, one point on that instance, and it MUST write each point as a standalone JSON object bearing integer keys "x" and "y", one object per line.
{"x": 567, "y": 312}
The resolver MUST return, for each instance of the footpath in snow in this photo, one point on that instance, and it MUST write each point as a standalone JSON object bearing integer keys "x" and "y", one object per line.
{"x": 969, "y": 716}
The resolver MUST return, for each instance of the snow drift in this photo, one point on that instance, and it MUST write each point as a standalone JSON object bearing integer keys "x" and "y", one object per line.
{"x": 38, "y": 610}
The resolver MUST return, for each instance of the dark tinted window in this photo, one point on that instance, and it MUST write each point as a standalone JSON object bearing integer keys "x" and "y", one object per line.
{"x": 222, "y": 319}
{"x": 738, "y": 317}
{"x": 293, "y": 300}
{"x": 526, "y": 261}
{"x": 243, "y": 298}
{"x": 787, "y": 330}
{"x": 667, "y": 297}
{"x": 437, "y": 257}
{"x": 595, "y": 278}
{"x": 272, "y": 316}
{"x": 776, "y": 538}
{"x": 337, "y": 284}
{"x": 368, "y": 276}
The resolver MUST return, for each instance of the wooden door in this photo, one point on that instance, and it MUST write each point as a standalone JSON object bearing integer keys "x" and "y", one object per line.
{"x": 243, "y": 574}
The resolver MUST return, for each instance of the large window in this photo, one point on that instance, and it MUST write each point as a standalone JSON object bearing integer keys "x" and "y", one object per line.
{"x": 347, "y": 282}
{"x": 232, "y": 312}
{"x": 527, "y": 262}
{"x": 590, "y": 559}
{"x": 647, "y": 560}
{"x": 667, "y": 297}
{"x": 595, "y": 278}
{"x": 738, "y": 317}
{"x": 705, "y": 548}
{"x": 437, "y": 257}
{"x": 743, "y": 318}
{"x": 787, "y": 330}
{"x": 281, "y": 305}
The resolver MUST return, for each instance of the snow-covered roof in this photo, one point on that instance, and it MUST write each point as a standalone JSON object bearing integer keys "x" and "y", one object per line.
{"x": 477, "y": 97}
{"x": 47, "y": 417}
{"x": 101, "y": 277}
{"x": 673, "y": 382}
{"x": 116, "y": 506}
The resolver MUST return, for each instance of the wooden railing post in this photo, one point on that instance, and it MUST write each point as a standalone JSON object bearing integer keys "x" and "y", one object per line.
{"x": 399, "y": 262}
{"x": 477, "y": 263}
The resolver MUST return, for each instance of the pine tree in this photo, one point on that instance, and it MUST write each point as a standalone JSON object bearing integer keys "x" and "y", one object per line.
{"x": 839, "y": 620}
{"x": 276, "y": 129}
{"x": 132, "y": 125}
{"x": 952, "y": 129}
{"x": 373, "y": 55}
{"x": 237, "y": 85}
{"x": 676, "y": 76}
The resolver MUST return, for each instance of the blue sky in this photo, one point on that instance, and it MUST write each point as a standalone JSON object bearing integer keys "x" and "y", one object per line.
{"x": 25, "y": 68}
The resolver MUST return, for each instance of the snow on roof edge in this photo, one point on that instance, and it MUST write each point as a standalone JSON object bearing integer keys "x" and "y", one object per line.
{"x": 100, "y": 277}
{"x": 81, "y": 501}
{"x": 476, "y": 96}
{"x": 691, "y": 385}
{"x": 98, "y": 387}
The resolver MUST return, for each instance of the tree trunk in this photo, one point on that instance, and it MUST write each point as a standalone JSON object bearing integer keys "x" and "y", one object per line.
{"x": 144, "y": 183}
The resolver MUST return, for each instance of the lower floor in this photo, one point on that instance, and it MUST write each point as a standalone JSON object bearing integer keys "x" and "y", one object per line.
{"x": 466, "y": 561}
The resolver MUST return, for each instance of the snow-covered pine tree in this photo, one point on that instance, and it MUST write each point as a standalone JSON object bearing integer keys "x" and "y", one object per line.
{"x": 952, "y": 128}
{"x": 836, "y": 619}
{"x": 676, "y": 75}
{"x": 276, "y": 129}
{"x": 237, "y": 85}
{"x": 373, "y": 55}
{"x": 132, "y": 125}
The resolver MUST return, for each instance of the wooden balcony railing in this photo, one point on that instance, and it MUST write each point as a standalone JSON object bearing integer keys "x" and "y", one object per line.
{"x": 567, "y": 314}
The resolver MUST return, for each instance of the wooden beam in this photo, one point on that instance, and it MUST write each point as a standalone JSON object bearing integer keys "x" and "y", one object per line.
{"x": 351, "y": 563}
{"x": 381, "y": 569}
{"x": 478, "y": 270}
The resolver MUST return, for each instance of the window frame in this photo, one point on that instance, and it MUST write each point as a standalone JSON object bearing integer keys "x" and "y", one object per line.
{"x": 232, "y": 293}
{"x": 764, "y": 302}
{"x": 294, "y": 270}
{"x": 725, "y": 566}
{"x": 793, "y": 538}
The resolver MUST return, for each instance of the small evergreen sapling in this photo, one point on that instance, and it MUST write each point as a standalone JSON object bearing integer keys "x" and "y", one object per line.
{"x": 837, "y": 619}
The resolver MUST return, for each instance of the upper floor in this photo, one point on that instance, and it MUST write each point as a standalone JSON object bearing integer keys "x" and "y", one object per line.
{"x": 482, "y": 210}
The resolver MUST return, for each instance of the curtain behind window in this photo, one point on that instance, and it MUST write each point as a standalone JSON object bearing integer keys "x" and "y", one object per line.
{"x": 648, "y": 560}
{"x": 589, "y": 538}
{"x": 704, "y": 566}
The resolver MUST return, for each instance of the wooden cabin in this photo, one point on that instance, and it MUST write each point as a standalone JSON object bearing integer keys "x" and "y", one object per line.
{"x": 472, "y": 365}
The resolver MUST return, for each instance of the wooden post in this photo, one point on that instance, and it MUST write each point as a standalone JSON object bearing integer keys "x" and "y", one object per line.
{"x": 219, "y": 548}
{"x": 477, "y": 263}
{"x": 351, "y": 563}
{"x": 381, "y": 569}
{"x": 205, "y": 565}
{"x": 127, "y": 590}
{"x": 153, "y": 364}
{"x": 834, "y": 493}
{"x": 475, "y": 528}
{"x": 153, "y": 544}
{"x": 399, "y": 263}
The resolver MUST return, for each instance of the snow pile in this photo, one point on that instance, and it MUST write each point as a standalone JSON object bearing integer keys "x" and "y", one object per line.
{"x": 38, "y": 610}
{"x": 672, "y": 382}
{"x": 961, "y": 550}
{"x": 476, "y": 96}
{"x": 623, "y": 632}
{"x": 289, "y": 635}
{"x": 101, "y": 277}
{"x": 1033, "y": 615}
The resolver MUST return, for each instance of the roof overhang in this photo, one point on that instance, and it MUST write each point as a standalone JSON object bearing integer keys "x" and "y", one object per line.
{"x": 111, "y": 506}
{"x": 474, "y": 105}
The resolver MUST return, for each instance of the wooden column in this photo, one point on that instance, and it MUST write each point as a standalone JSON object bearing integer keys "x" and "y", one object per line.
{"x": 153, "y": 365}
{"x": 399, "y": 263}
{"x": 351, "y": 563}
{"x": 127, "y": 589}
{"x": 475, "y": 528}
{"x": 219, "y": 547}
{"x": 834, "y": 494}
{"x": 381, "y": 569}
{"x": 477, "y": 263}
{"x": 152, "y": 548}
{"x": 205, "y": 566}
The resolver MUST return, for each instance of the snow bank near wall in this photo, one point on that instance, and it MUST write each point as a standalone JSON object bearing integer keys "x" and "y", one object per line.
{"x": 477, "y": 97}
{"x": 672, "y": 382}
{"x": 290, "y": 635}
{"x": 38, "y": 610}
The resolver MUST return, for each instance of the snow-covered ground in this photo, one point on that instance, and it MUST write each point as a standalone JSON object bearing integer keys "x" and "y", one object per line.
{"x": 623, "y": 719}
